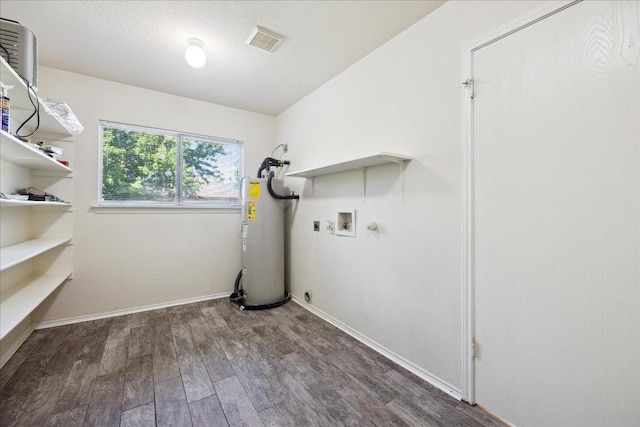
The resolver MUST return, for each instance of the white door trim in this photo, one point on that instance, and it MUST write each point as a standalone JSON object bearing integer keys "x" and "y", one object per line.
{"x": 468, "y": 295}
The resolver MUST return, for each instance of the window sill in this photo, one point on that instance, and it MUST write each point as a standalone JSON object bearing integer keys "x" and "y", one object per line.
{"x": 165, "y": 209}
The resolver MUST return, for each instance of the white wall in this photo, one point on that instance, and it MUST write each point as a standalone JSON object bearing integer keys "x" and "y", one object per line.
{"x": 401, "y": 287}
{"x": 127, "y": 260}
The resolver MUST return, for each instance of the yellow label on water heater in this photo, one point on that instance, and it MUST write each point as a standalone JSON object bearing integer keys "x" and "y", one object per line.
{"x": 251, "y": 210}
{"x": 254, "y": 190}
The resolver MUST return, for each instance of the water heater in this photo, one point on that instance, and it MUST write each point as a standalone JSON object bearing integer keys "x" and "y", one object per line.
{"x": 261, "y": 282}
{"x": 262, "y": 244}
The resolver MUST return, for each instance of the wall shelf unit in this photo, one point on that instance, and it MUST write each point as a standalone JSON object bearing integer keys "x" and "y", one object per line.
{"x": 17, "y": 152}
{"x": 360, "y": 163}
{"x": 377, "y": 159}
{"x": 13, "y": 255}
{"x": 7, "y": 203}
{"x": 35, "y": 252}
{"x": 21, "y": 299}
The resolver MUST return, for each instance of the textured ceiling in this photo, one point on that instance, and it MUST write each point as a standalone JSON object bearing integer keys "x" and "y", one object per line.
{"x": 142, "y": 43}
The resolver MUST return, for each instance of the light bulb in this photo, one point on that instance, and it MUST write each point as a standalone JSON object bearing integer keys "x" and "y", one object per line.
{"x": 194, "y": 54}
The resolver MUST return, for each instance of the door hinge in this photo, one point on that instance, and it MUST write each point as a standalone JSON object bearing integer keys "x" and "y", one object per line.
{"x": 473, "y": 348}
{"x": 469, "y": 85}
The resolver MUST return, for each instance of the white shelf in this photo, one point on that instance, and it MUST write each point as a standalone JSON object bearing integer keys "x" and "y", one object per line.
{"x": 21, "y": 106}
{"x": 17, "y": 302}
{"x": 377, "y": 159}
{"x": 10, "y": 203}
{"x": 27, "y": 166}
{"x": 15, "y": 151}
{"x": 20, "y": 252}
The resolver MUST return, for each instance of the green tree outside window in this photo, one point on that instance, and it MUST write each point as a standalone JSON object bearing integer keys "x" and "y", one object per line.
{"x": 149, "y": 165}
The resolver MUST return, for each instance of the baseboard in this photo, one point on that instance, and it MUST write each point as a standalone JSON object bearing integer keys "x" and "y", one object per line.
{"x": 411, "y": 367}
{"x": 86, "y": 318}
{"x": 16, "y": 345}
{"x": 494, "y": 415}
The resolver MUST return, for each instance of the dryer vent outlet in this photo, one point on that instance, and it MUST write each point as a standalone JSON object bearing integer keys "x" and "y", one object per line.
{"x": 307, "y": 296}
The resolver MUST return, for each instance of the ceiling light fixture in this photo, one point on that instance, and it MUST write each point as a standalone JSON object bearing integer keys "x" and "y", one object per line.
{"x": 194, "y": 54}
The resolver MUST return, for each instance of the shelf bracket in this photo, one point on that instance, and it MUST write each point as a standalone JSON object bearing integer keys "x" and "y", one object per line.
{"x": 364, "y": 185}
{"x": 403, "y": 165}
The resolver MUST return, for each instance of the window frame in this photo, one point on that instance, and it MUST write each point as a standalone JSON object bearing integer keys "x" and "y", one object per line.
{"x": 178, "y": 203}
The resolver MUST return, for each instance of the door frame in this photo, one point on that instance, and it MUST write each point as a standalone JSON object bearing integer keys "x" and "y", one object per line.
{"x": 468, "y": 288}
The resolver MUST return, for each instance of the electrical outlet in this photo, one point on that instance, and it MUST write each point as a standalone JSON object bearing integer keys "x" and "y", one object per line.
{"x": 316, "y": 225}
{"x": 285, "y": 148}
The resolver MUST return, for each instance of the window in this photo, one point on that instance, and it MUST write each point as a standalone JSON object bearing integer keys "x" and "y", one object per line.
{"x": 146, "y": 166}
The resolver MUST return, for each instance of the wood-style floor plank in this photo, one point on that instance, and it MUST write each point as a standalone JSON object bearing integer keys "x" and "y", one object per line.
{"x": 268, "y": 361}
{"x": 165, "y": 362}
{"x": 374, "y": 412}
{"x": 93, "y": 343}
{"x": 9, "y": 409}
{"x": 212, "y": 316}
{"x": 236, "y": 405}
{"x": 284, "y": 414}
{"x": 138, "y": 383}
{"x": 210, "y": 364}
{"x": 38, "y": 407}
{"x": 141, "y": 416}
{"x": 69, "y": 418}
{"x": 230, "y": 343}
{"x": 26, "y": 377}
{"x": 78, "y": 386}
{"x": 142, "y": 318}
{"x": 277, "y": 338}
{"x": 259, "y": 391}
{"x": 340, "y": 412}
{"x": 140, "y": 340}
{"x": 171, "y": 404}
{"x": 212, "y": 354}
{"x": 411, "y": 414}
{"x": 114, "y": 356}
{"x": 105, "y": 405}
{"x": 197, "y": 384}
{"x": 19, "y": 357}
{"x": 208, "y": 413}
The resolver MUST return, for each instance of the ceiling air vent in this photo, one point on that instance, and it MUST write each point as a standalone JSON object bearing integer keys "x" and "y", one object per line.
{"x": 264, "y": 39}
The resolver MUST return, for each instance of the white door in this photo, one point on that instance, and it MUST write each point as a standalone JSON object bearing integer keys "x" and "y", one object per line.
{"x": 556, "y": 198}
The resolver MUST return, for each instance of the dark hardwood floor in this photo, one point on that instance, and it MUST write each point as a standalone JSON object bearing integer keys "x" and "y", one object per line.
{"x": 208, "y": 364}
